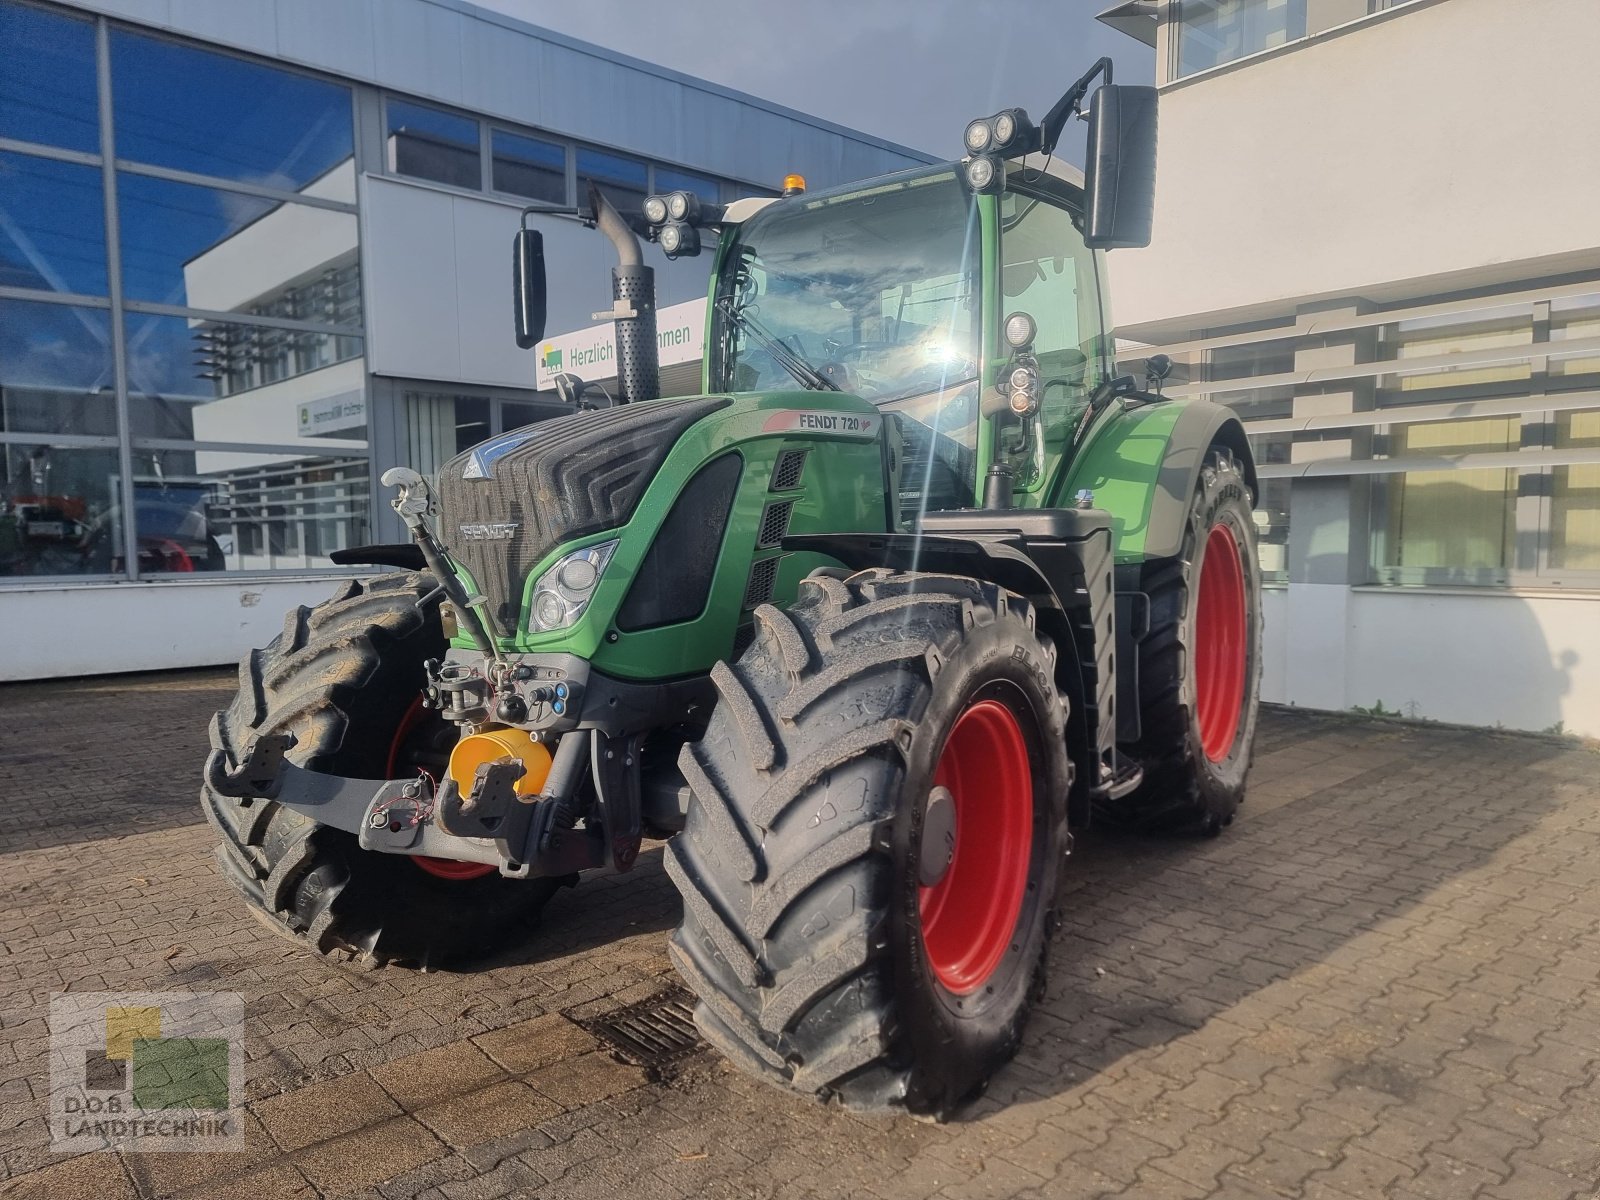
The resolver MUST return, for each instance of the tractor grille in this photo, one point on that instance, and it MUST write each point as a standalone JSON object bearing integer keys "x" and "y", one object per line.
{"x": 763, "y": 577}
{"x": 545, "y": 484}
{"x": 774, "y": 524}
{"x": 790, "y": 467}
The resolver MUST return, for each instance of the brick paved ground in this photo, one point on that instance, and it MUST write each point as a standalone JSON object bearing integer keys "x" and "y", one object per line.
{"x": 1380, "y": 982}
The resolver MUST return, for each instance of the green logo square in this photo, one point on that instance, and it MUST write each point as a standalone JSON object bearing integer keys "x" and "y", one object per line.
{"x": 180, "y": 1073}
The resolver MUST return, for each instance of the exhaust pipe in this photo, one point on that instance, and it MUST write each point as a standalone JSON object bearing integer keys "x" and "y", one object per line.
{"x": 633, "y": 308}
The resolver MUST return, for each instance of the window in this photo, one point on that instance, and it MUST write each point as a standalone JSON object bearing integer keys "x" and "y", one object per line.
{"x": 1574, "y": 319}
{"x": 670, "y": 179}
{"x": 429, "y": 143}
{"x": 1213, "y": 32}
{"x": 530, "y": 167}
{"x": 1452, "y": 521}
{"x": 47, "y": 79}
{"x": 215, "y": 249}
{"x": 1047, "y": 273}
{"x": 1575, "y": 497}
{"x": 1427, "y": 339}
{"x": 52, "y": 226}
{"x": 55, "y": 370}
{"x": 59, "y": 513}
{"x": 193, "y": 110}
{"x": 623, "y": 180}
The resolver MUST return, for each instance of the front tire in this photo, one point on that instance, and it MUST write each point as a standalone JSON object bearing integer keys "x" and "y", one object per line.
{"x": 830, "y": 953}
{"x": 1200, "y": 663}
{"x": 343, "y": 677}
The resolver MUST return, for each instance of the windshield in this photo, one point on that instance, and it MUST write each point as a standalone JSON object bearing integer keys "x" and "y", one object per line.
{"x": 873, "y": 291}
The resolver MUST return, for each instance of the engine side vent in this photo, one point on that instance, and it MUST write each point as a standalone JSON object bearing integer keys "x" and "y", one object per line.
{"x": 743, "y": 638}
{"x": 763, "y": 579}
{"x": 790, "y": 467}
{"x": 774, "y": 524}
{"x": 674, "y": 580}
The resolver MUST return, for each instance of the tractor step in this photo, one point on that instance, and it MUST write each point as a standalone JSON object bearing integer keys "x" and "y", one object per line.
{"x": 1125, "y": 776}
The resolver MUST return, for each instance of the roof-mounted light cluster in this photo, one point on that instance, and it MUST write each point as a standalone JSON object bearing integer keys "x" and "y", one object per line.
{"x": 675, "y": 220}
{"x": 1008, "y": 133}
{"x": 991, "y": 140}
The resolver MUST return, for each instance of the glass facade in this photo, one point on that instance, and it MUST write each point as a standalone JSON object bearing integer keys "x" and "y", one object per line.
{"x": 183, "y": 376}
{"x": 1490, "y": 416}
{"x": 1212, "y": 33}
{"x": 220, "y": 259}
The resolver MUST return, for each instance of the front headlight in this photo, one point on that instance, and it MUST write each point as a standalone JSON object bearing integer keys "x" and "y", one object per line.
{"x": 562, "y": 593}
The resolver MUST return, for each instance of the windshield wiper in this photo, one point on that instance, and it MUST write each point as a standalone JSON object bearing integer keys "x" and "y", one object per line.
{"x": 786, "y": 357}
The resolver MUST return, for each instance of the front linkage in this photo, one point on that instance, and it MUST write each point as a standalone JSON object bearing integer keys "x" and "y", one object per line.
{"x": 596, "y": 724}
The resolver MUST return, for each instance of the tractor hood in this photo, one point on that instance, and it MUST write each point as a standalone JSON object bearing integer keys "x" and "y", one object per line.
{"x": 507, "y": 502}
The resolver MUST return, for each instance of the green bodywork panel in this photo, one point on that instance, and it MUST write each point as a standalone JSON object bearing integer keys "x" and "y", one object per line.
{"x": 842, "y": 490}
{"x": 1120, "y": 462}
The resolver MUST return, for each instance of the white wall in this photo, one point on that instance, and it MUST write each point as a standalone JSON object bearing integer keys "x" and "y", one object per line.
{"x": 1519, "y": 660}
{"x": 1458, "y": 136}
{"x": 95, "y": 629}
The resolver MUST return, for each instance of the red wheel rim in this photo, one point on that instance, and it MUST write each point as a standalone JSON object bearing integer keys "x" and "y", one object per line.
{"x": 1220, "y": 641}
{"x": 970, "y": 916}
{"x": 443, "y": 868}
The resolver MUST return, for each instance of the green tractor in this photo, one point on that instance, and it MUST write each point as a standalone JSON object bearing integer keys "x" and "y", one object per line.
{"x": 918, "y": 587}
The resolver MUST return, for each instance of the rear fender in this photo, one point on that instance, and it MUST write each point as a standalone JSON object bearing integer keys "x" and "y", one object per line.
{"x": 1143, "y": 464}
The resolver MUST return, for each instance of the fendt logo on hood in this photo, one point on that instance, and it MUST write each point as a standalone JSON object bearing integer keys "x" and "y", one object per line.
{"x": 499, "y": 531}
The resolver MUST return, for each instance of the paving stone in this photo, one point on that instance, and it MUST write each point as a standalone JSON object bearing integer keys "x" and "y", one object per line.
{"x": 492, "y": 1112}
{"x": 584, "y": 1080}
{"x": 365, "y": 1159}
{"x": 98, "y": 1175}
{"x": 529, "y": 1045}
{"x": 163, "y": 1174}
{"x": 277, "y": 1181}
{"x": 422, "y": 1079}
{"x": 324, "y": 1110}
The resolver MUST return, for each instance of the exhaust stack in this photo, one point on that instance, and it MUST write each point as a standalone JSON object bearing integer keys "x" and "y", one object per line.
{"x": 633, "y": 309}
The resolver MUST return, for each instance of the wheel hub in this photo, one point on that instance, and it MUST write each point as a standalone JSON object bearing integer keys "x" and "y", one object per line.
{"x": 938, "y": 837}
{"x": 969, "y": 913}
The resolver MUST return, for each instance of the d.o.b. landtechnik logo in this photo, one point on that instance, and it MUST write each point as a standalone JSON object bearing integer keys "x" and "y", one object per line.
{"x": 159, "y": 1071}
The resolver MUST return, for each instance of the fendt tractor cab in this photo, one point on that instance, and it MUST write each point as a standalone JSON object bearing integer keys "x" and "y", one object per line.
{"x": 915, "y": 588}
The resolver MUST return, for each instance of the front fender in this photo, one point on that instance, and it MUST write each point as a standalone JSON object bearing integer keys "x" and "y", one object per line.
{"x": 1143, "y": 463}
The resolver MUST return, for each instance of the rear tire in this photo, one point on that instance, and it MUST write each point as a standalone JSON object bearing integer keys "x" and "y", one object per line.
{"x": 343, "y": 678}
{"x": 1200, "y": 664}
{"x": 810, "y": 933}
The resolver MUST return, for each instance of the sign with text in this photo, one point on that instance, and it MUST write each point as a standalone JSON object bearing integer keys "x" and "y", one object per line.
{"x": 591, "y": 353}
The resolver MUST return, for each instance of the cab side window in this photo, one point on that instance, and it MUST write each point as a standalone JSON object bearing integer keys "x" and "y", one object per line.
{"x": 1046, "y": 271}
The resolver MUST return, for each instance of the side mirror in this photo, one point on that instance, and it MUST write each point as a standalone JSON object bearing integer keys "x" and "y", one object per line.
{"x": 528, "y": 287}
{"x": 1120, "y": 167}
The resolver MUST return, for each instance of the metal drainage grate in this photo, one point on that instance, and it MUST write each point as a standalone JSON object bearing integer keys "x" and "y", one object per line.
{"x": 653, "y": 1033}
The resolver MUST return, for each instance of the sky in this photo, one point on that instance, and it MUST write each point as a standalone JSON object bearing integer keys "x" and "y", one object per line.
{"x": 912, "y": 71}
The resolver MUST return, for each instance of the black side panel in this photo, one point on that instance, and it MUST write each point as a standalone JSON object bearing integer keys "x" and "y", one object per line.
{"x": 674, "y": 581}
{"x": 552, "y": 482}
{"x": 405, "y": 555}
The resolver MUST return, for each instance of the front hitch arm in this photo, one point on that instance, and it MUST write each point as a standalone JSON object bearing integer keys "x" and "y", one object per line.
{"x": 491, "y": 823}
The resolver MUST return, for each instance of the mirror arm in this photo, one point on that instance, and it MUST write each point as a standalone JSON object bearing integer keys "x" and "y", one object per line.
{"x": 1056, "y": 119}
{"x": 582, "y": 215}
